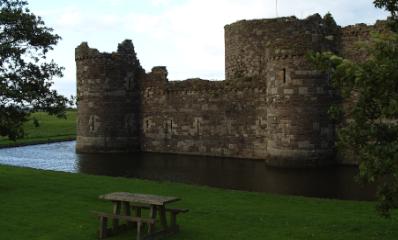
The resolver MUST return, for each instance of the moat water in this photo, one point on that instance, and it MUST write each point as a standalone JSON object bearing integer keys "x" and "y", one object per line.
{"x": 239, "y": 174}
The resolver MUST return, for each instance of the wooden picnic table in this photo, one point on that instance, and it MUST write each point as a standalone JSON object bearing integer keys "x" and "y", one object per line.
{"x": 124, "y": 202}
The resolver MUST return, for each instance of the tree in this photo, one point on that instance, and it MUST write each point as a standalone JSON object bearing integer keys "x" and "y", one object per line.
{"x": 25, "y": 73}
{"x": 369, "y": 125}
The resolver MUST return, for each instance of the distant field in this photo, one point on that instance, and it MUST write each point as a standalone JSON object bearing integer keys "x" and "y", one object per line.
{"x": 51, "y": 129}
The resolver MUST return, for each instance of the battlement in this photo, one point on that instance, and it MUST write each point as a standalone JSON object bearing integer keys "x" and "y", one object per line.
{"x": 159, "y": 73}
{"x": 361, "y": 28}
{"x": 124, "y": 50}
{"x": 244, "y": 23}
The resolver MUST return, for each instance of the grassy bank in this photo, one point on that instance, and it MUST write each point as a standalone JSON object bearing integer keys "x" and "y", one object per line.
{"x": 51, "y": 129}
{"x": 38, "y": 204}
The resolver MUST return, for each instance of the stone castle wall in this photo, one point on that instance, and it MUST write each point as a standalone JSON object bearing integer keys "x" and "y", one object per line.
{"x": 273, "y": 104}
{"x": 215, "y": 118}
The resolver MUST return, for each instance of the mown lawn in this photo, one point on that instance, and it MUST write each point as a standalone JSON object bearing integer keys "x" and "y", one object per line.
{"x": 37, "y": 204}
{"x": 50, "y": 129}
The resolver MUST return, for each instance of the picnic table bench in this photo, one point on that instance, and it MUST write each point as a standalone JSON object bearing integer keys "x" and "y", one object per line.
{"x": 128, "y": 207}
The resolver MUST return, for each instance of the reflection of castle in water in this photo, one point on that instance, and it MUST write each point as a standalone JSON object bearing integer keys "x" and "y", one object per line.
{"x": 239, "y": 174}
{"x": 272, "y": 105}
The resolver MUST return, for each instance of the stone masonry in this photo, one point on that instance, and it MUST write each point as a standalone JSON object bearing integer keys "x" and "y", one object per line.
{"x": 272, "y": 106}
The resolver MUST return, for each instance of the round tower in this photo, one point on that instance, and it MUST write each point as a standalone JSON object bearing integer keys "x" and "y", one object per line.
{"x": 299, "y": 131}
{"x": 108, "y": 99}
{"x": 246, "y": 44}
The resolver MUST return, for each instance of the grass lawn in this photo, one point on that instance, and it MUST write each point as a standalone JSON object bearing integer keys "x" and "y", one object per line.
{"x": 37, "y": 204}
{"x": 51, "y": 129}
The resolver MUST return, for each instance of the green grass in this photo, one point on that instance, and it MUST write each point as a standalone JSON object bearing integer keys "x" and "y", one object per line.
{"x": 50, "y": 129}
{"x": 37, "y": 204}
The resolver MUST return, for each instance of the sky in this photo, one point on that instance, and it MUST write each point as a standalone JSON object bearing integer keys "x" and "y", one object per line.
{"x": 187, "y": 36}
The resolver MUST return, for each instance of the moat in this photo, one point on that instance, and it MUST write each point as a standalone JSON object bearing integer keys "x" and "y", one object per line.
{"x": 230, "y": 173}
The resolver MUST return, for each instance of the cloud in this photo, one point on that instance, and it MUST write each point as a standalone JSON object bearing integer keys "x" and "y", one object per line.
{"x": 69, "y": 18}
{"x": 185, "y": 35}
{"x": 113, "y": 2}
{"x": 189, "y": 36}
{"x": 159, "y": 3}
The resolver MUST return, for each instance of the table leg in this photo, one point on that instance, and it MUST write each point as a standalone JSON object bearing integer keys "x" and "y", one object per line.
{"x": 116, "y": 210}
{"x": 103, "y": 229}
{"x": 138, "y": 230}
{"x": 173, "y": 221}
{"x": 152, "y": 214}
{"x": 162, "y": 215}
{"x": 137, "y": 211}
{"x": 126, "y": 206}
{"x": 127, "y": 212}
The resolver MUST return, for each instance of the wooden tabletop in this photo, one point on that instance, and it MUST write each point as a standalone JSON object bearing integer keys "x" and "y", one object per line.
{"x": 138, "y": 198}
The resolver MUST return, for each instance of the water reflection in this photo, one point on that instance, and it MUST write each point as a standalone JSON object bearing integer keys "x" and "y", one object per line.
{"x": 240, "y": 174}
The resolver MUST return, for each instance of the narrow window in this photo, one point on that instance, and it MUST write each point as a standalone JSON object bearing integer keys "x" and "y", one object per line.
{"x": 284, "y": 75}
{"x": 171, "y": 126}
{"x": 147, "y": 124}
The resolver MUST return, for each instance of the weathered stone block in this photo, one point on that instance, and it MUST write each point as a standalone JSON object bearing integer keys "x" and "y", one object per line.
{"x": 288, "y": 91}
{"x": 303, "y": 90}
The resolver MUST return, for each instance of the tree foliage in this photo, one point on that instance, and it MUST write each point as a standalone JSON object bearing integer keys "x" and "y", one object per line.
{"x": 25, "y": 73}
{"x": 369, "y": 124}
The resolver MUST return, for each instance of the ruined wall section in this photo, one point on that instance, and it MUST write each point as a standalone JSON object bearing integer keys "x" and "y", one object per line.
{"x": 354, "y": 35}
{"x": 108, "y": 99}
{"x": 214, "y": 118}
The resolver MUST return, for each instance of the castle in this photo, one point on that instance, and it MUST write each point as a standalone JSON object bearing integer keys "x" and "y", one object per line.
{"x": 273, "y": 104}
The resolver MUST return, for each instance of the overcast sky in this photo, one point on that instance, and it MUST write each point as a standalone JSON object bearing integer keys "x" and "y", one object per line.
{"x": 187, "y": 36}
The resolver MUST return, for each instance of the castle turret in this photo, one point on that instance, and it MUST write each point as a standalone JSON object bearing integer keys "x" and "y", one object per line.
{"x": 108, "y": 99}
{"x": 298, "y": 96}
{"x": 300, "y": 132}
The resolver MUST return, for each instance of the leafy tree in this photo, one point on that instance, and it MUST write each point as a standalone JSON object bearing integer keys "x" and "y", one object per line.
{"x": 369, "y": 124}
{"x": 25, "y": 73}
